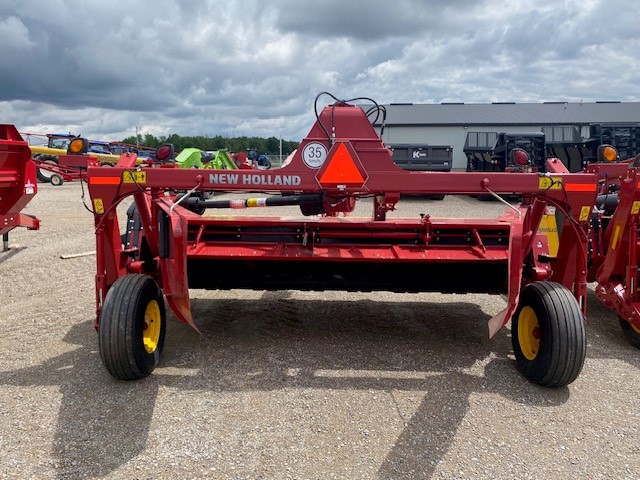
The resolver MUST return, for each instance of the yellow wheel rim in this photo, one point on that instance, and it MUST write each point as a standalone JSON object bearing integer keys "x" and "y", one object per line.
{"x": 636, "y": 329}
{"x": 151, "y": 327}
{"x": 528, "y": 333}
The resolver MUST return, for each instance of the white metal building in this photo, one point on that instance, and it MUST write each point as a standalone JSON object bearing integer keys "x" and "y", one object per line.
{"x": 449, "y": 123}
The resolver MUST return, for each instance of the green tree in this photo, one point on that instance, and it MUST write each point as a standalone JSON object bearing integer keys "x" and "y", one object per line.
{"x": 268, "y": 146}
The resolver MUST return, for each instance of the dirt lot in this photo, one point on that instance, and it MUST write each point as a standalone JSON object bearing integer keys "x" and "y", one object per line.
{"x": 292, "y": 384}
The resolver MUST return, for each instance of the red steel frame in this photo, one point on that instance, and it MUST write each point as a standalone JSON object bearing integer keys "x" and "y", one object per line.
{"x": 614, "y": 258}
{"x": 18, "y": 183}
{"x": 174, "y": 235}
{"x": 614, "y": 250}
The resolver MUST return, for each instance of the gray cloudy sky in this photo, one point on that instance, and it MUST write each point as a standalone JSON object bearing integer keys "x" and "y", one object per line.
{"x": 196, "y": 67}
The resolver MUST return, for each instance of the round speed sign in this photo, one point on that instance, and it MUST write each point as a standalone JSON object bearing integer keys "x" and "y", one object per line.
{"x": 314, "y": 154}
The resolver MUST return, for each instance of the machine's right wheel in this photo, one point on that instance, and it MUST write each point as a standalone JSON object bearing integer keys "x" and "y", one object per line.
{"x": 56, "y": 180}
{"x": 132, "y": 327}
{"x": 548, "y": 334}
{"x": 631, "y": 332}
{"x": 45, "y": 175}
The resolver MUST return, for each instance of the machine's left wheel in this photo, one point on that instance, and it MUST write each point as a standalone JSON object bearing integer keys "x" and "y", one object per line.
{"x": 548, "y": 334}
{"x": 132, "y": 327}
{"x": 630, "y": 332}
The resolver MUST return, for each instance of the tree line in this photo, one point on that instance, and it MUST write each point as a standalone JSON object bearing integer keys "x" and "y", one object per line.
{"x": 268, "y": 146}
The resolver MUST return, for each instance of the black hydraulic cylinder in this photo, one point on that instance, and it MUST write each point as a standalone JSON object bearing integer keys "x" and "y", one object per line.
{"x": 607, "y": 202}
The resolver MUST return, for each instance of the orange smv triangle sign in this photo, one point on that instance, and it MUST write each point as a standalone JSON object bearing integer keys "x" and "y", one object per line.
{"x": 341, "y": 170}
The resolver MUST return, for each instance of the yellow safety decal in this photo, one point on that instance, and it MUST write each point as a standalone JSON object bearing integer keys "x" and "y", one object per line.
{"x": 98, "y": 206}
{"x": 614, "y": 240}
{"x": 137, "y": 177}
{"x": 549, "y": 227}
{"x": 635, "y": 208}
{"x": 584, "y": 213}
{"x": 550, "y": 183}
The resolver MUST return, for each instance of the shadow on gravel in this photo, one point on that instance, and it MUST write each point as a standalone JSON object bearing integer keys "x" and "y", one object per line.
{"x": 604, "y": 335}
{"x": 102, "y": 423}
{"x": 438, "y": 349}
{"x": 4, "y": 256}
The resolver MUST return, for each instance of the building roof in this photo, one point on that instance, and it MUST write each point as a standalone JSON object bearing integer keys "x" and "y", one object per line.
{"x": 548, "y": 113}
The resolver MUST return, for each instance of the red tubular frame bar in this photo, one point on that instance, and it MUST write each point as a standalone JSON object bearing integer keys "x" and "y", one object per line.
{"x": 571, "y": 194}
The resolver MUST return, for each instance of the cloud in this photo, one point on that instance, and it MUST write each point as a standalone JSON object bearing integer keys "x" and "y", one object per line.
{"x": 254, "y": 68}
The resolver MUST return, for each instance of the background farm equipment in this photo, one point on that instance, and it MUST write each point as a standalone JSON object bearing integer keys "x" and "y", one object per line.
{"x": 251, "y": 159}
{"x": 196, "y": 158}
{"x": 423, "y": 158}
{"x": 70, "y": 166}
{"x": 259, "y": 160}
{"x": 143, "y": 152}
{"x": 17, "y": 183}
{"x": 47, "y": 156}
{"x": 176, "y": 247}
{"x": 577, "y": 153}
{"x": 491, "y": 152}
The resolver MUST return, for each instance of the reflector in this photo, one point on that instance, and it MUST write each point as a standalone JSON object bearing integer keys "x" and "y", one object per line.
{"x": 341, "y": 169}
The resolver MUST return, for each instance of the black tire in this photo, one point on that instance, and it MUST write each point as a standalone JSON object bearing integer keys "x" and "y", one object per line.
{"x": 45, "y": 175}
{"x": 122, "y": 323}
{"x": 553, "y": 355}
{"x": 56, "y": 180}
{"x": 630, "y": 332}
{"x": 437, "y": 197}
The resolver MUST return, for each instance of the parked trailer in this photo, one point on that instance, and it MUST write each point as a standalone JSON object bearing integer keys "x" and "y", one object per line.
{"x": 340, "y": 161}
{"x": 18, "y": 183}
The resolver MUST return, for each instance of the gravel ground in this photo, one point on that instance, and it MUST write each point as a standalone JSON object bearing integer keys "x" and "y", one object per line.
{"x": 294, "y": 385}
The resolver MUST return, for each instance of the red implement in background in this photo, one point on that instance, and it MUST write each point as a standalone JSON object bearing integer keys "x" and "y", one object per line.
{"x": 170, "y": 246}
{"x": 67, "y": 169}
{"x": 18, "y": 183}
